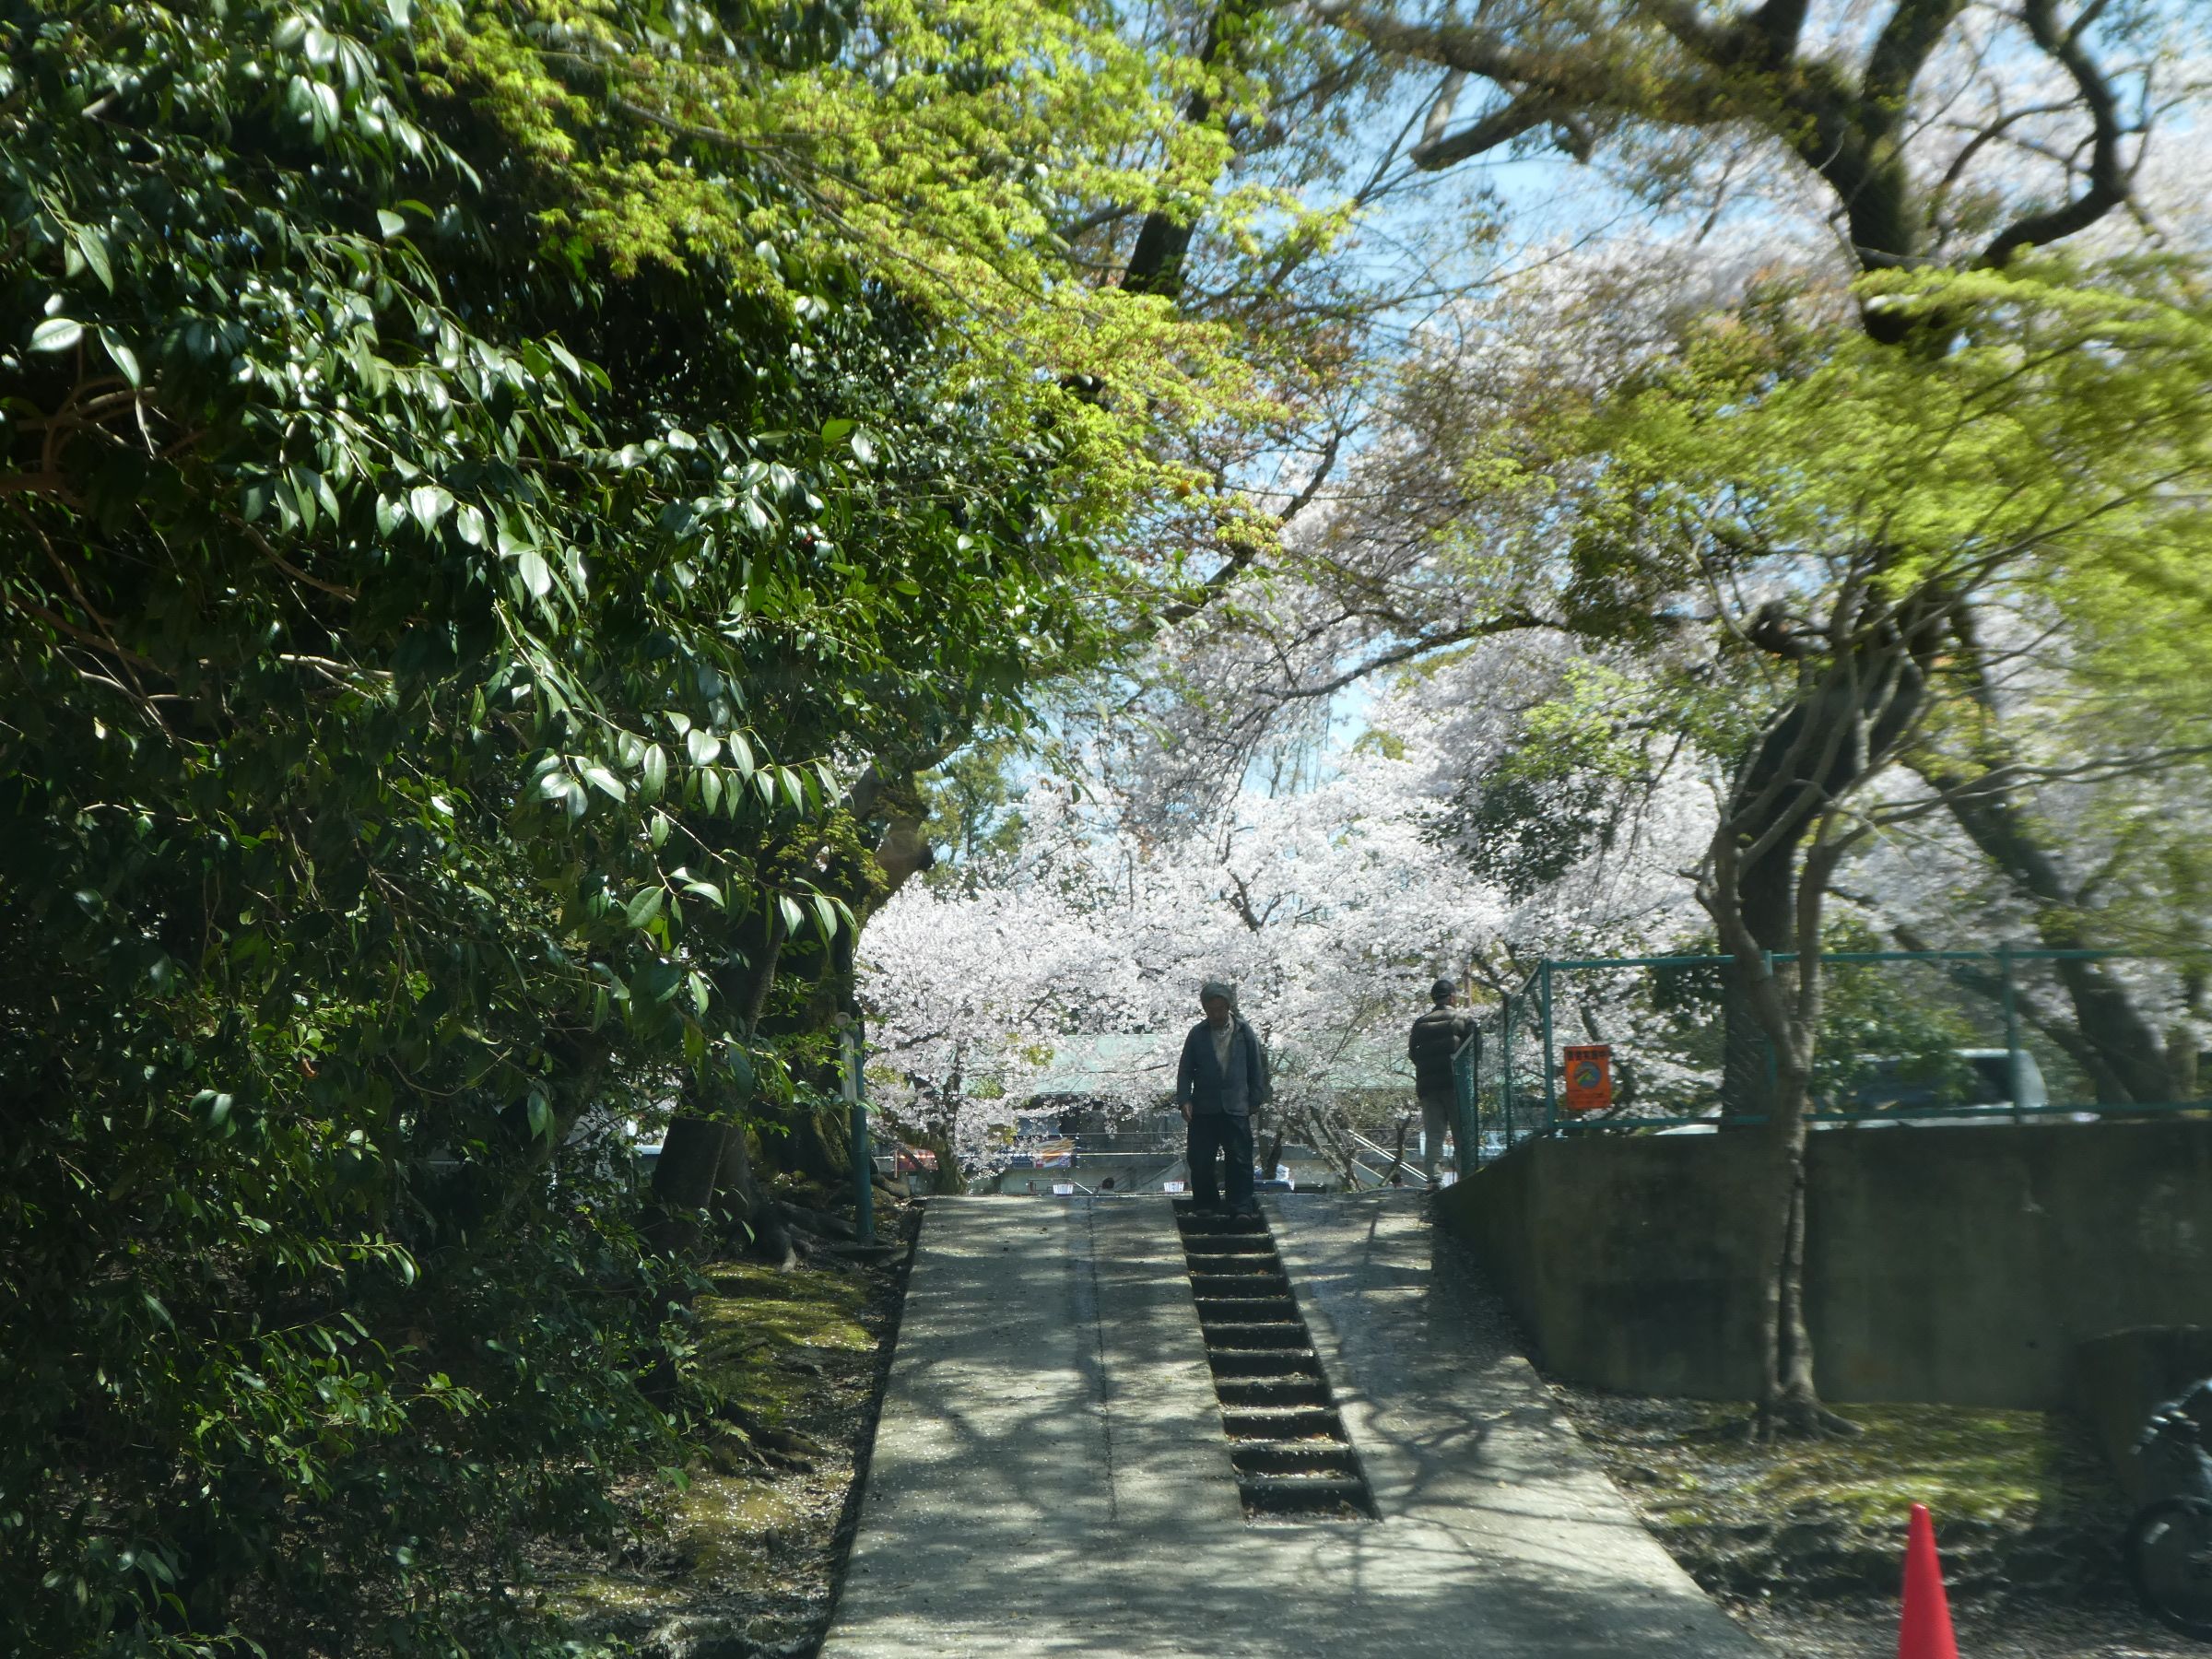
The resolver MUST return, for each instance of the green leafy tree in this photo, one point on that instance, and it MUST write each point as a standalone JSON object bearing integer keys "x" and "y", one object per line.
{"x": 496, "y": 506}
{"x": 1847, "y": 512}
{"x": 1939, "y": 134}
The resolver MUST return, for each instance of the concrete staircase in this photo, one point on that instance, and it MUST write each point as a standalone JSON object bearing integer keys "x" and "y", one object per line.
{"x": 1292, "y": 1457}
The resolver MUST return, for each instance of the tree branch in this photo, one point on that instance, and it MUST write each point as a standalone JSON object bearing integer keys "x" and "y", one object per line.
{"x": 1900, "y": 53}
{"x": 2107, "y": 187}
{"x": 1510, "y": 622}
{"x": 1501, "y": 126}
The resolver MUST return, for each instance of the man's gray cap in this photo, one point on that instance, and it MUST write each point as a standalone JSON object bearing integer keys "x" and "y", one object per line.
{"x": 1220, "y": 988}
{"x": 1443, "y": 988}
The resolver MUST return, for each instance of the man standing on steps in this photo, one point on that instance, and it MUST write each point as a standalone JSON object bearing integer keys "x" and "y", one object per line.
{"x": 1221, "y": 1082}
{"x": 1438, "y": 1036}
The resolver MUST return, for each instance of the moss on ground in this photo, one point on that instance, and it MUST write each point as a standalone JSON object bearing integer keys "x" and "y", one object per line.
{"x": 742, "y": 1549}
{"x": 2019, "y": 1497}
{"x": 1966, "y": 1462}
{"x": 764, "y": 1336}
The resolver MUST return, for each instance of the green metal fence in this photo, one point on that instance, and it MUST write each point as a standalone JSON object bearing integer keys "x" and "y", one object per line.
{"x": 1905, "y": 1037}
{"x": 1467, "y": 1126}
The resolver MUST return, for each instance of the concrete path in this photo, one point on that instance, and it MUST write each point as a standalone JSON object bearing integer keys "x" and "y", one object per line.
{"x": 1051, "y": 1476}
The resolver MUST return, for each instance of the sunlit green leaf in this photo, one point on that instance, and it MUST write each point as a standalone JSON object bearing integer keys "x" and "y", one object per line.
{"x": 429, "y": 503}
{"x": 122, "y": 357}
{"x": 56, "y": 334}
{"x": 94, "y": 248}
{"x": 531, "y": 567}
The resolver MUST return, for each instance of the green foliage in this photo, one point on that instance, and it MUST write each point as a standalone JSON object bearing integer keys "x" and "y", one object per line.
{"x": 2037, "y": 451}
{"x": 1889, "y": 1023}
{"x": 1564, "y": 790}
{"x": 445, "y": 565}
{"x": 1896, "y": 1026}
{"x": 939, "y": 147}
{"x": 971, "y": 809}
{"x": 2052, "y": 455}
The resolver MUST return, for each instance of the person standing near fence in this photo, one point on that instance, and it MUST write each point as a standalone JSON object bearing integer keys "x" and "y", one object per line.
{"x": 1220, "y": 1084}
{"x": 1432, "y": 1044}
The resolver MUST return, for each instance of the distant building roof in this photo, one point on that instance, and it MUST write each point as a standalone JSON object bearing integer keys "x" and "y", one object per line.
{"x": 1118, "y": 1063}
{"x": 1125, "y": 1064}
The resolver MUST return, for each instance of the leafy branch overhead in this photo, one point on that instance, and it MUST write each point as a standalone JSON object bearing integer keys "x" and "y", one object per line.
{"x": 494, "y": 503}
{"x": 939, "y": 149}
{"x": 1916, "y": 116}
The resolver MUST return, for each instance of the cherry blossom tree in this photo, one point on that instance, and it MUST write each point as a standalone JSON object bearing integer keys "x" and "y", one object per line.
{"x": 1331, "y": 905}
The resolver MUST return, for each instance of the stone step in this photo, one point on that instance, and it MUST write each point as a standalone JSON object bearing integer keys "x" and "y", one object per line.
{"x": 1271, "y": 1421}
{"x": 1316, "y": 1458}
{"x": 1235, "y": 1250}
{"x": 1211, "y": 1227}
{"x": 1236, "y": 1267}
{"x": 1227, "y": 1243}
{"x": 1322, "y": 1498}
{"x": 1292, "y": 1458}
{"x": 1247, "y": 1309}
{"x": 1239, "y": 1286}
{"x": 1224, "y": 1337}
{"x": 1239, "y": 1394}
{"x": 1247, "y": 1363}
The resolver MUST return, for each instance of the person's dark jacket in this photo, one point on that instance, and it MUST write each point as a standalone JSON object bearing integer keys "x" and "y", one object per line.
{"x": 1202, "y": 1086}
{"x": 1435, "y": 1038}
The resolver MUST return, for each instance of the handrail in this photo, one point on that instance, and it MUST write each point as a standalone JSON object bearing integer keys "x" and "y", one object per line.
{"x": 1524, "y": 1095}
{"x": 1871, "y": 956}
{"x": 1397, "y": 1159}
{"x": 1411, "y": 1172}
{"x": 1989, "y": 1111}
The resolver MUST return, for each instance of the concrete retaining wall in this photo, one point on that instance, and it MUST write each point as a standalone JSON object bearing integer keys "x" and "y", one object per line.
{"x": 1944, "y": 1263}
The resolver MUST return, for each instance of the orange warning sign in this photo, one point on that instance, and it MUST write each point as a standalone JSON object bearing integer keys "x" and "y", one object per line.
{"x": 1589, "y": 1078}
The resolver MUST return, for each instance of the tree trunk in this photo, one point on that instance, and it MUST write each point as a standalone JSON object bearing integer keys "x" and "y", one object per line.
{"x": 1789, "y": 1401}
{"x": 1156, "y": 261}
{"x": 705, "y": 1162}
{"x": 683, "y": 1183}
{"x": 1748, "y": 1057}
{"x": 1772, "y": 856}
{"x": 2121, "y": 1049}
{"x": 813, "y": 1142}
{"x": 738, "y": 1198}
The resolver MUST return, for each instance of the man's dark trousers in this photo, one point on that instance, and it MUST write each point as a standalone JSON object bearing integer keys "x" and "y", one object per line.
{"x": 1231, "y": 1135}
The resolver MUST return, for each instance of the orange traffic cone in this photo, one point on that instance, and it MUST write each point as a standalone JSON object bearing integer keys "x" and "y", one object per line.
{"x": 1924, "y": 1631}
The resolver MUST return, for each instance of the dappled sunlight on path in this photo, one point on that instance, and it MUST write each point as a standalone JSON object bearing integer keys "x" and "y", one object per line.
{"x": 1052, "y": 1477}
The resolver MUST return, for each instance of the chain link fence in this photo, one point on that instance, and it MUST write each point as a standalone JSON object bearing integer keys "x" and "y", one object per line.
{"x": 1905, "y": 1036}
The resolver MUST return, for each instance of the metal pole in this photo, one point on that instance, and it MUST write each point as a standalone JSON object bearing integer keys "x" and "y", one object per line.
{"x": 863, "y": 1182}
{"x": 1773, "y": 1060}
{"x": 1551, "y": 1091}
{"x": 1464, "y": 1078}
{"x": 1505, "y": 1069}
{"x": 2012, "y": 1033}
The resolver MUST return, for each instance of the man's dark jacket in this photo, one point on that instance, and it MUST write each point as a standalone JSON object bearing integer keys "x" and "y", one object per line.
{"x": 1201, "y": 1083}
{"x": 1435, "y": 1038}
